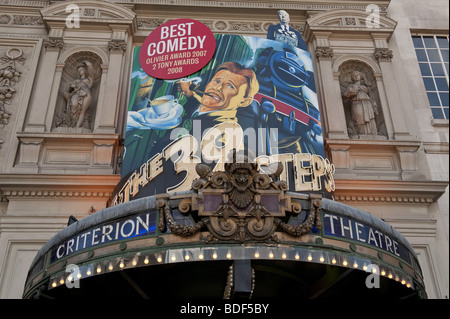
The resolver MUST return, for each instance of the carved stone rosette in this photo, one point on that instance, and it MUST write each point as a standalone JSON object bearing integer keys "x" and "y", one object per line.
{"x": 240, "y": 204}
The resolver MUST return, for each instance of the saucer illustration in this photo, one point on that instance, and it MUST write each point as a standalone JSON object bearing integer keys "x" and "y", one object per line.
{"x": 148, "y": 119}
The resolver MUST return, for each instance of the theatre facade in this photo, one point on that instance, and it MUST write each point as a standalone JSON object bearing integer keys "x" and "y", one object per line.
{"x": 224, "y": 149}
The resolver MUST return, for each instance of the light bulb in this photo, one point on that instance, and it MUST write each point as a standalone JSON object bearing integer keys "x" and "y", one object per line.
{"x": 321, "y": 259}
{"x": 146, "y": 260}
{"x": 122, "y": 264}
{"x": 309, "y": 257}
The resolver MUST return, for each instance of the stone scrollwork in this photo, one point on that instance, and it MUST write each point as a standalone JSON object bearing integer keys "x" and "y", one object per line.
{"x": 117, "y": 46}
{"x": 324, "y": 53}
{"x": 9, "y": 76}
{"x": 383, "y": 55}
{"x": 240, "y": 204}
{"x": 176, "y": 228}
{"x": 54, "y": 44}
{"x": 313, "y": 218}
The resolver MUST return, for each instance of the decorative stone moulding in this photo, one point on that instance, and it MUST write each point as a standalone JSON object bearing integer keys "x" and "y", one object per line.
{"x": 10, "y": 75}
{"x": 240, "y": 204}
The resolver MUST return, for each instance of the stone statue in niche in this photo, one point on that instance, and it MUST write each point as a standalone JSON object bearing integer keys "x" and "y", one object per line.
{"x": 78, "y": 93}
{"x": 364, "y": 119}
{"x": 362, "y": 107}
{"x": 79, "y": 98}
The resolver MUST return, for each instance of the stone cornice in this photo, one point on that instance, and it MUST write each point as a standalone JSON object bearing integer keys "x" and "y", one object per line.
{"x": 287, "y": 5}
{"x": 307, "y": 5}
{"x": 27, "y": 186}
{"x": 389, "y": 192}
{"x": 339, "y": 143}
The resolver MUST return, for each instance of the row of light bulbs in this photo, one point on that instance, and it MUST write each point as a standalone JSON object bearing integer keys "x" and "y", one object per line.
{"x": 178, "y": 256}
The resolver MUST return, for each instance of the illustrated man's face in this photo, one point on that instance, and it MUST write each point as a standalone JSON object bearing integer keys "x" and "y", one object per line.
{"x": 283, "y": 16}
{"x": 226, "y": 91}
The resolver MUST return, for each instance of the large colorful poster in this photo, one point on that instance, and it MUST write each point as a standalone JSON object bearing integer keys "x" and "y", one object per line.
{"x": 255, "y": 95}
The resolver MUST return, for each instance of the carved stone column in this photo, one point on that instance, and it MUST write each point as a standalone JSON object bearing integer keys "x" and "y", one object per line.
{"x": 107, "y": 112}
{"x": 36, "y": 122}
{"x": 384, "y": 57}
{"x": 334, "y": 117}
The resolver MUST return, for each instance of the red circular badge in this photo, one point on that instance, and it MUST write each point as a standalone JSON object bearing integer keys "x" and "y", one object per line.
{"x": 177, "y": 49}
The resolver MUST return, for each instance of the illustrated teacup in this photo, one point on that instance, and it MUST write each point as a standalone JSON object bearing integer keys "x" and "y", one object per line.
{"x": 163, "y": 104}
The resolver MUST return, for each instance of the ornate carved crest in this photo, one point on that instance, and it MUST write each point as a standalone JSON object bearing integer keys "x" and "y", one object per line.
{"x": 240, "y": 204}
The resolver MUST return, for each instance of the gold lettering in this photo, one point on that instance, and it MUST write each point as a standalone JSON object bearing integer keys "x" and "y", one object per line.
{"x": 126, "y": 192}
{"x": 155, "y": 164}
{"x": 186, "y": 162}
{"x": 318, "y": 165}
{"x": 303, "y": 171}
{"x": 219, "y": 141}
{"x": 143, "y": 176}
{"x": 283, "y": 159}
{"x": 134, "y": 182}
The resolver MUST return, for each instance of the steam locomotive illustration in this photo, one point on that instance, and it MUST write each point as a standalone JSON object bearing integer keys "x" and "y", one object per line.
{"x": 286, "y": 101}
